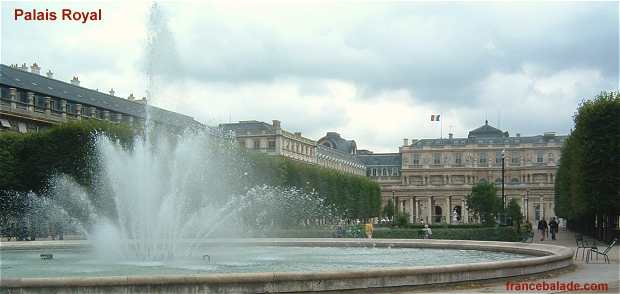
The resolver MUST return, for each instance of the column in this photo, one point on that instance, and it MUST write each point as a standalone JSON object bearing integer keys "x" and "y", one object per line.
{"x": 417, "y": 215}
{"x": 448, "y": 211}
{"x": 430, "y": 210}
{"x": 78, "y": 111}
{"x": 542, "y": 207}
{"x": 30, "y": 99}
{"x": 93, "y": 111}
{"x": 48, "y": 104}
{"x": 552, "y": 208}
{"x": 13, "y": 97}
{"x": 106, "y": 115}
{"x": 63, "y": 108}
{"x": 119, "y": 117}
{"x": 464, "y": 212}
{"x": 411, "y": 212}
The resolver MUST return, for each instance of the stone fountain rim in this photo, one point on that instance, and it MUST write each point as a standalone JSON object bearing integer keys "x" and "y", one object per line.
{"x": 544, "y": 258}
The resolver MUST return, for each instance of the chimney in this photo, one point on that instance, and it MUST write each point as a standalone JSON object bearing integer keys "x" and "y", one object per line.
{"x": 35, "y": 69}
{"x": 275, "y": 124}
{"x": 450, "y": 136}
{"x": 131, "y": 97}
{"x": 405, "y": 142}
{"x": 112, "y": 91}
{"x": 75, "y": 81}
{"x": 24, "y": 67}
{"x": 49, "y": 74}
{"x": 298, "y": 134}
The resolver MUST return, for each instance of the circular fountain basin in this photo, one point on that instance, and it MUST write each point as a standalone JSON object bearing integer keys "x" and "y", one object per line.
{"x": 275, "y": 265}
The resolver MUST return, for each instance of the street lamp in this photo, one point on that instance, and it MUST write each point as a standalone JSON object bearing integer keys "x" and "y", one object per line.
{"x": 393, "y": 208}
{"x": 503, "y": 165}
{"x": 503, "y": 219}
{"x": 527, "y": 214}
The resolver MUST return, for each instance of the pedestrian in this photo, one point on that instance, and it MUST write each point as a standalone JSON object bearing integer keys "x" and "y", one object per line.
{"x": 428, "y": 233}
{"x": 541, "y": 229}
{"x": 368, "y": 229}
{"x": 553, "y": 227}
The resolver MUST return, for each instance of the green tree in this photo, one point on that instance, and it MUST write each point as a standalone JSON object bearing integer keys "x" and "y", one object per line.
{"x": 513, "y": 210}
{"x": 388, "y": 209}
{"x": 483, "y": 202}
{"x": 402, "y": 219}
{"x": 589, "y": 173}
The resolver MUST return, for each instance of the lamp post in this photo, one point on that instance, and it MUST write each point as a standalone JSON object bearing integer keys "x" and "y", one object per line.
{"x": 503, "y": 195}
{"x": 393, "y": 208}
{"x": 527, "y": 214}
{"x": 503, "y": 167}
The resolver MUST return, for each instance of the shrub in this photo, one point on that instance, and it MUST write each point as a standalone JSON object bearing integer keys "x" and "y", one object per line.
{"x": 483, "y": 234}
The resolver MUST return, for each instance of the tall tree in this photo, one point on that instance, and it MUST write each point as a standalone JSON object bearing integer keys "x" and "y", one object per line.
{"x": 514, "y": 212}
{"x": 589, "y": 173}
{"x": 483, "y": 202}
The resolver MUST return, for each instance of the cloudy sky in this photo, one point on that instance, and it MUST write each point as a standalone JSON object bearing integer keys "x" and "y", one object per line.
{"x": 373, "y": 71}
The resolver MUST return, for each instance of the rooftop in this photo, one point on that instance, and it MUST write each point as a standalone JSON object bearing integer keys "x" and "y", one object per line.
{"x": 488, "y": 135}
{"x": 44, "y": 86}
{"x": 335, "y": 141}
{"x": 381, "y": 159}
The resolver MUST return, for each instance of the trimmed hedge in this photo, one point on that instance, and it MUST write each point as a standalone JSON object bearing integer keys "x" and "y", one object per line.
{"x": 587, "y": 180}
{"x": 442, "y": 226}
{"x": 482, "y": 234}
{"x": 355, "y": 197}
{"x": 507, "y": 234}
{"x": 27, "y": 160}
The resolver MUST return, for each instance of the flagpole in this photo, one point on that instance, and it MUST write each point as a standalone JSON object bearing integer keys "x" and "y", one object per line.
{"x": 441, "y": 126}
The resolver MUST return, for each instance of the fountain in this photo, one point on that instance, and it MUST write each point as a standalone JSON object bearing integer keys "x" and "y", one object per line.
{"x": 168, "y": 199}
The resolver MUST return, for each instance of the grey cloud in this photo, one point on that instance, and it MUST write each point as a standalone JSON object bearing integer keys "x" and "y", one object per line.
{"x": 436, "y": 51}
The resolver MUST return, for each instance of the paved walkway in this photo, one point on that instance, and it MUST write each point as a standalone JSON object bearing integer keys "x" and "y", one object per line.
{"x": 594, "y": 272}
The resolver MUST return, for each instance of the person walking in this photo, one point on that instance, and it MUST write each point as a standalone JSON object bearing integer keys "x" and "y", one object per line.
{"x": 541, "y": 229}
{"x": 368, "y": 228}
{"x": 428, "y": 233}
{"x": 553, "y": 227}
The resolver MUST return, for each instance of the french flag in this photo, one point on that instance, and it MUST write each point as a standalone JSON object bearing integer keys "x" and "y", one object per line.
{"x": 435, "y": 117}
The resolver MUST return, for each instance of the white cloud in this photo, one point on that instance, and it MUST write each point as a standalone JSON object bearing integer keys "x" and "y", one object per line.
{"x": 372, "y": 71}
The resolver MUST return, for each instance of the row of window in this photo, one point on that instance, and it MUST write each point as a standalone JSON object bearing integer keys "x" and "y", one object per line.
{"x": 297, "y": 147}
{"x": 382, "y": 172}
{"x": 55, "y": 105}
{"x": 462, "y": 179}
{"x": 515, "y": 158}
{"x": 288, "y": 145}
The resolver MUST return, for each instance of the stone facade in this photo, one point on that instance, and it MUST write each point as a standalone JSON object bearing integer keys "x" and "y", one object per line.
{"x": 435, "y": 175}
{"x": 30, "y": 101}
{"x": 273, "y": 140}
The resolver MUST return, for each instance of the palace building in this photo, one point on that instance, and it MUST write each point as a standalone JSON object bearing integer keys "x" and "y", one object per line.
{"x": 30, "y": 101}
{"x": 331, "y": 151}
{"x": 430, "y": 178}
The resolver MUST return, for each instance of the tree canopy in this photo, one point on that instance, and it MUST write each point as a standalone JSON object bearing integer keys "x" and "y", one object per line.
{"x": 483, "y": 202}
{"x": 588, "y": 178}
